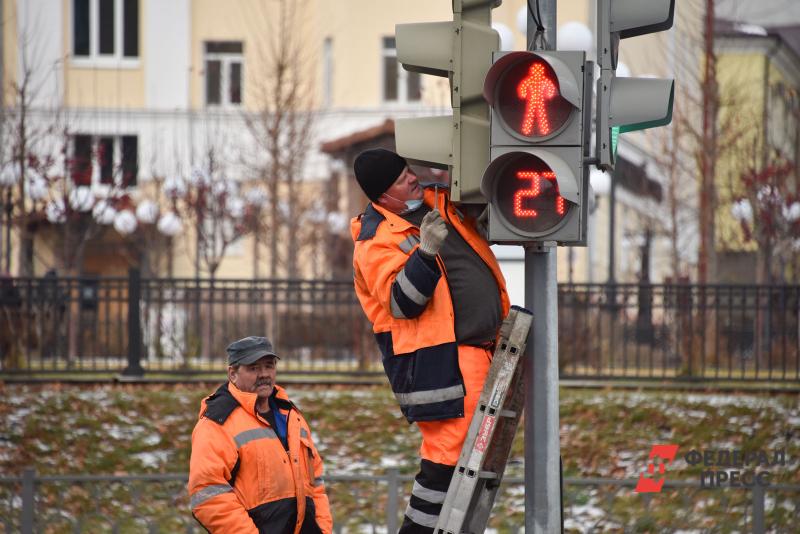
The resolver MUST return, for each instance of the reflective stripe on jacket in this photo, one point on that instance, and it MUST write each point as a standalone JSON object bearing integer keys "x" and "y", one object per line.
{"x": 411, "y": 309}
{"x": 242, "y": 480}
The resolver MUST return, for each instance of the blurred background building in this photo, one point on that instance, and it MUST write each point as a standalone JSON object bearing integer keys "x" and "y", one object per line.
{"x": 203, "y": 138}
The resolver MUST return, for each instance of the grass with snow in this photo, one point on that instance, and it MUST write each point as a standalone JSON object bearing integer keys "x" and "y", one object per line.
{"x": 135, "y": 429}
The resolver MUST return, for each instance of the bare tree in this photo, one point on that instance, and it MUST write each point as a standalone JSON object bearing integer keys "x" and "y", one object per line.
{"x": 708, "y": 127}
{"x": 217, "y": 211}
{"x": 23, "y": 137}
{"x": 707, "y": 153}
{"x": 66, "y": 212}
{"x": 281, "y": 128}
{"x": 254, "y": 219}
{"x": 667, "y": 147}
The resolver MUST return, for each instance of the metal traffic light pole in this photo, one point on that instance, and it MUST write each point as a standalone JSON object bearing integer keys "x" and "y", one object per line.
{"x": 542, "y": 448}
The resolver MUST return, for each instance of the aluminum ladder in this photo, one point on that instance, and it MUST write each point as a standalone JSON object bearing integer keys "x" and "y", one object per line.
{"x": 483, "y": 458}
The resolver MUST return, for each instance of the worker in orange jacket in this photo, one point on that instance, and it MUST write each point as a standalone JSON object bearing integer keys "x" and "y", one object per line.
{"x": 254, "y": 467}
{"x": 433, "y": 290}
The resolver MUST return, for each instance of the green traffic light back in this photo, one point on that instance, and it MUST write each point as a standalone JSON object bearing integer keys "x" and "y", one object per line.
{"x": 654, "y": 123}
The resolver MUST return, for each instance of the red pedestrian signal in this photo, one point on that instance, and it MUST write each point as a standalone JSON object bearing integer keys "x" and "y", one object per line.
{"x": 529, "y": 99}
{"x": 536, "y": 89}
{"x": 537, "y": 181}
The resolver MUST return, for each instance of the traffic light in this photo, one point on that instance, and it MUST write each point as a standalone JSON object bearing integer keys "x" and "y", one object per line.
{"x": 537, "y": 181}
{"x": 628, "y": 104}
{"x": 461, "y": 50}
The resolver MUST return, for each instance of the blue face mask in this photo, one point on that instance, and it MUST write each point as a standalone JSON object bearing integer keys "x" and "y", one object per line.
{"x": 411, "y": 205}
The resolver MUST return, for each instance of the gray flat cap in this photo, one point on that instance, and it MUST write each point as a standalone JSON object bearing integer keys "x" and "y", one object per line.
{"x": 249, "y": 350}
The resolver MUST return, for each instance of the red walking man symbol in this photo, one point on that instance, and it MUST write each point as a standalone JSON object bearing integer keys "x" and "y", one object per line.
{"x": 535, "y": 89}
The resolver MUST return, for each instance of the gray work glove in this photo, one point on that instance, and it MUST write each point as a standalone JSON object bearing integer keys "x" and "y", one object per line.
{"x": 432, "y": 233}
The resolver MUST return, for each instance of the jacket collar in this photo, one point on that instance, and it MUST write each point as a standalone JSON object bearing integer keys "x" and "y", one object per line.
{"x": 396, "y": 222}
{"x": 219, "y": 406}
{"x": 248, "y": 400}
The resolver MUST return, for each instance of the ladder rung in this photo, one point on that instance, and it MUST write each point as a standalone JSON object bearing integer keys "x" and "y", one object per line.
{"x": 507, "y": 413}
{"x": 481, "y": 474}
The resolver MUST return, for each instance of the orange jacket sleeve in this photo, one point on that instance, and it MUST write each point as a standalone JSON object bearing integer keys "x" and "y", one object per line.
{"x": 214, "y": 502}
{"x": 321, "y": 504}
{"x": 379, "y": 264}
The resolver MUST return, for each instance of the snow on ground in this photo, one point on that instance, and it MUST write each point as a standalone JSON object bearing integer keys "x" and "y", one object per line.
{"x": 152, "y": 459}
{"x": 360, "y": 430}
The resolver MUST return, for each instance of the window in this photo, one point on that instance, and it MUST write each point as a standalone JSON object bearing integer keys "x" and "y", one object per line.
{"x": 105, "y": 159}
{"x": 223, "y": 73}
{"x": 105, "y": 29}
{"x": 82, "y": 160}
{"x": 108, "y": 160}
{"x": 129, "y": 159}
{"x": 399, "y": 85}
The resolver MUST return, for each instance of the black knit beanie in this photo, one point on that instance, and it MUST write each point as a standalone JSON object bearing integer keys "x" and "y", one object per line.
{"x": 377, "y": 169}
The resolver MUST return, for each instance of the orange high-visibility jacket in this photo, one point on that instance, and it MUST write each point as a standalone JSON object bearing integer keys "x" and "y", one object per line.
{"x": 411, "y": 309}
{"x": 242, "y": 480}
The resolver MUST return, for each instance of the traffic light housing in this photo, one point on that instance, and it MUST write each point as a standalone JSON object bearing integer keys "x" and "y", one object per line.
{"x": 537, "y": 180}
{"x": 628, "y": 104}
{"x": 462, "y": 51}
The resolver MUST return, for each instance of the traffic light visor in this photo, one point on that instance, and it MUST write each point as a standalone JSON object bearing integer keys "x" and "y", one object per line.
{"x": 632, "y": 18}
{"x": 641, "y": 103}
{"x": 535, "y": 96}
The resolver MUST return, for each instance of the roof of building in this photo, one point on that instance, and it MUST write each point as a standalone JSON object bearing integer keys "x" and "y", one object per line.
{"x": 357, "y": 138}
{"x": 789, "y": 34}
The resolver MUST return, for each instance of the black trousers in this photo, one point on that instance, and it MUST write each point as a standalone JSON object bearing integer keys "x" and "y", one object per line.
{"x": 427, "y": 497}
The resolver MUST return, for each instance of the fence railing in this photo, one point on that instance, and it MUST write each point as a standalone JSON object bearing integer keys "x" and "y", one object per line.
{"x": 694, "y": 332}
{"x": 181, "y": 326}
{"x": 159, "y": 503}
{"x": 134, "y": 325}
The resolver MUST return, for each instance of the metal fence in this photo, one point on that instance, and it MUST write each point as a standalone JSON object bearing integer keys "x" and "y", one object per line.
{"x": 133, "y": 325}
{"x": 181, "y": 326}
{"x": 692, "y": 332}
{"x": 374, "y": 503}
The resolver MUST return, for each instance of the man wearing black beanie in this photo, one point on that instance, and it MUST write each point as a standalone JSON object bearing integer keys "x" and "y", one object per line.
{"x": 433, "y": 291}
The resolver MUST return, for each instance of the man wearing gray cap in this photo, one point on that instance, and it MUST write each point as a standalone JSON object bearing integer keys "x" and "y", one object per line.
{"x": 254, "y": 467}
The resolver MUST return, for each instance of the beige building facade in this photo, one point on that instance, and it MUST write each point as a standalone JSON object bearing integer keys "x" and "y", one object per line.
{"x": 168, "y": 88}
